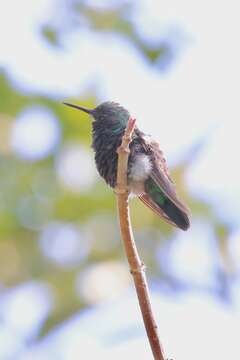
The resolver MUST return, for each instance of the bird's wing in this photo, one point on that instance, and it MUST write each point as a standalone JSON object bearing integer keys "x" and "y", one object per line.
{"x": 161, "y": 176}
{"x": 160, "y": 173}
{"x": 146, "y": 199}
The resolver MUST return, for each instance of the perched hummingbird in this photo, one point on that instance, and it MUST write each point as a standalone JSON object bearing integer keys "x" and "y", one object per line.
{"x": 148, "y": 175}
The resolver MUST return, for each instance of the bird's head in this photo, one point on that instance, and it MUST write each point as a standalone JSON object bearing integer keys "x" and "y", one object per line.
{"x": 109, "y": 113}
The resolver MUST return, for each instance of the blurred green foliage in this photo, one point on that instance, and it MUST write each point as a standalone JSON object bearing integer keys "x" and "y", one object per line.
{"x": 117, "y": 19}
{"x": 36, "y": 185}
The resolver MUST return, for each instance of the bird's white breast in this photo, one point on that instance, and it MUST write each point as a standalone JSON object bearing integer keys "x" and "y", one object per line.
{"x": 139, "y": 172}
{"x": 141, "y": 168}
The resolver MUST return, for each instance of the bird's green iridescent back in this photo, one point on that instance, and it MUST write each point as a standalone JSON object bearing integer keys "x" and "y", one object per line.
{"x": 121, "y": 116}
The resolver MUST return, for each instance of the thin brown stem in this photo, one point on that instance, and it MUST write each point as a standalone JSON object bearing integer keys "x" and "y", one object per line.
{"x": 137, "y": 268}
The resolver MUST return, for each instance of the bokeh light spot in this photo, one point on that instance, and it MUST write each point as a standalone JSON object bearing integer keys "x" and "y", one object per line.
{"x": 103, "y": 281}
{"x": 35, "y": 134}
{"x": 64, "y": 243}
{"x": 25, "y": 307}
{"x": 75, "y": 168}
{"x": 33, "y": 213}
{"x": 192, "y": 256}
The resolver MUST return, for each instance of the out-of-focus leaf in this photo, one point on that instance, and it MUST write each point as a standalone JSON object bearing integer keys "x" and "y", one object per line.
{"x": 51, "y": 35}
{"x": 73, "y": 207}
{"x": 222, "y": 232}
{"x": 11, "y": 101}
{"x": 115, "y": 19}
{"x": 66, "y": 300}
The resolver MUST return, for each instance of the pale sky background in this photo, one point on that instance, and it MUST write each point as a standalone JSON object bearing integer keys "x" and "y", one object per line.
{"x": 196, "y": 97}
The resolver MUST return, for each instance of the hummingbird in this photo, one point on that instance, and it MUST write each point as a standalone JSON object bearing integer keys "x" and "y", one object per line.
{"x": 148, "y": 175}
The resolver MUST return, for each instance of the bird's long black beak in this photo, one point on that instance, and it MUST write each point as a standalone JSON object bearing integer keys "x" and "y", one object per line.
{"x": 88, "y": 111}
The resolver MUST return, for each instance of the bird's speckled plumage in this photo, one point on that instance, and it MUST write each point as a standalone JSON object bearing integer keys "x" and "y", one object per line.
{"x": 148, "y": 175}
